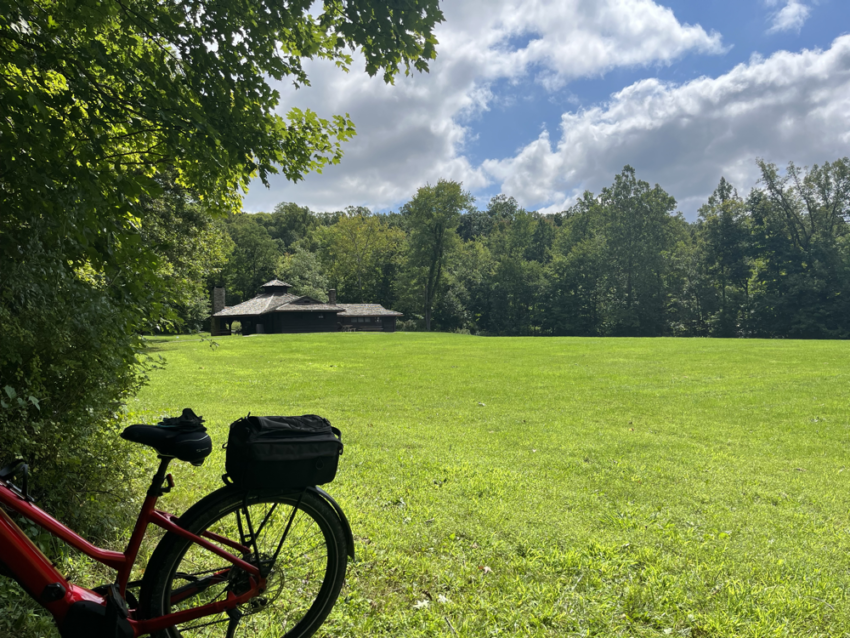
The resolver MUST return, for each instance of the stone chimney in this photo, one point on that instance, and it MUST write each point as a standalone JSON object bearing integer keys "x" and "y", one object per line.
{"x": 218, "y": 299}
{"x": 217, "y": 323}
{"x": 332, "y": 296}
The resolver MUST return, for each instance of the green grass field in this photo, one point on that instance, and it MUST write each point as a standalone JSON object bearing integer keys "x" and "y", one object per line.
{"x": 558, "y": 487}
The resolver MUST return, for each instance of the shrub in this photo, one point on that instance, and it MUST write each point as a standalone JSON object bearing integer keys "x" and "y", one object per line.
{"x": 415, "y": 324}
{"x": 67, "y": 365}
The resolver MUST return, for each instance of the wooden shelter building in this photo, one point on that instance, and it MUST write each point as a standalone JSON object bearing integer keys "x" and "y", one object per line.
{"x": 276, "y": 310}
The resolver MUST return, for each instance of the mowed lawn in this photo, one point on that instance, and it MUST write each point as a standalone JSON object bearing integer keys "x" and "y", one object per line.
{"x": 558, "y": 486}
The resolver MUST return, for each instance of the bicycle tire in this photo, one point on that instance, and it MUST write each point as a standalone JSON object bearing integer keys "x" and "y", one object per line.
{"x": 302, "y": 587}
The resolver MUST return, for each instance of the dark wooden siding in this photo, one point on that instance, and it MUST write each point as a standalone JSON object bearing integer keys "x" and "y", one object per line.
{"x": 288, "y": 322}
{"x": 281, "y": 322}
{"x": 365, "y": 324}
{"x": 305, "y": 322}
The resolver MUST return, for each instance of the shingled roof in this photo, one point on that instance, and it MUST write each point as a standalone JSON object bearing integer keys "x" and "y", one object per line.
{"x": 366, "y": 310}
{"x": 276, "y": 283}
{"x": 259, "y": 305}
{"x": 279, "y": 301}
{"x": 308, "y": 307}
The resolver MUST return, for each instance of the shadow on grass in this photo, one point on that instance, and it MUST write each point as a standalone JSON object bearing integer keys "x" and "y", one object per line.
{"x": 155, "y": 343}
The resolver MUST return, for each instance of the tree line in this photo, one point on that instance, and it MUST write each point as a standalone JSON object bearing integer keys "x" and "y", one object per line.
{"x": 772, "y": 264}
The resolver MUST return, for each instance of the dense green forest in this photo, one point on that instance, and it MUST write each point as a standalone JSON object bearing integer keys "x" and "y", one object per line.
{"x": 773, "y": 263}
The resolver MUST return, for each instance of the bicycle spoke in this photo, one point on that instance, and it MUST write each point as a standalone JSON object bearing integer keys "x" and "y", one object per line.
{"x": 294, "y": 580}
{"x": 265, "y": 520}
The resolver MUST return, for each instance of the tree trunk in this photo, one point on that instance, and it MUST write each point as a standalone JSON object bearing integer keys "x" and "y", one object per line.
{"x": 427, "y": 310}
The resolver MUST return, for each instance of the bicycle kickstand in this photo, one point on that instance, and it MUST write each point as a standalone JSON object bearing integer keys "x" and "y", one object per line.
{"x": 235, "y": 615}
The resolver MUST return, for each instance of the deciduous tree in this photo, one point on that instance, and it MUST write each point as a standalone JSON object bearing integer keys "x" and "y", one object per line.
{"x": 800, "y": 227}
{"x": 356, "y": 250}
{"x": 304, "y": 271}
{"x": 432, "y": 217}
{"x": 98, "y": 97}
{"x": 638, "y": 230}
{"x": 723, "y": 238}
{"x": 253, "y": 261}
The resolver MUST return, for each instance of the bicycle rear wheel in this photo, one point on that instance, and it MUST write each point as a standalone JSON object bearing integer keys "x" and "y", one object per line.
{"x": 302, "y": 586}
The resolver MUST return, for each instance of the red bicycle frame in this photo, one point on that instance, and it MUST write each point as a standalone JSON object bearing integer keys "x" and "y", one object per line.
{"x": 40, "y": 578}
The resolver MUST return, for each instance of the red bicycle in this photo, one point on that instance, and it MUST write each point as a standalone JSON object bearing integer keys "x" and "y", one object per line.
{"x": 263, "y": 563}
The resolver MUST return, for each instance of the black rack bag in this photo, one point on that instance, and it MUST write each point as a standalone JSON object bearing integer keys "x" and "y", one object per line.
{"x": 282, "y": 452}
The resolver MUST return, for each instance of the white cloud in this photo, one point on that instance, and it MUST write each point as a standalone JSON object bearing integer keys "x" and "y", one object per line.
{"x": 790, "y": 106}
{"x": 790, "y": 17}
{"x": 416, "y": 131}
{"x": 564, "y": 40}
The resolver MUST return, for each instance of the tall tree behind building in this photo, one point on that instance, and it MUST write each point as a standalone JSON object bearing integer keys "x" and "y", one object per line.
{"x": 431, "y": 220}
{"x": 254, "y": 259}
{"x": 359, "y": 252}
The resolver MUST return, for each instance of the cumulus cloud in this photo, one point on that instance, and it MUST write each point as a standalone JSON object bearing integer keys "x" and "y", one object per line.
{"x": 416, "y": 131}
{"x": 790, "y": 17}
{"x": 563, "y": 40}
{"x": 790, "y": 106}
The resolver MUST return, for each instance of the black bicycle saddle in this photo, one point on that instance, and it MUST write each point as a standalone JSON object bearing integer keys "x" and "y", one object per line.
{"x": 183, "y": 437}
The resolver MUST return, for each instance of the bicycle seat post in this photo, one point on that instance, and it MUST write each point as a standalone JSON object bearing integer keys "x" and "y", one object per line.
{"x": 157, "y": 488}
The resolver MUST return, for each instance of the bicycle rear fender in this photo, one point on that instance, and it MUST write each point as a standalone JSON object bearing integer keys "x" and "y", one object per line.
{"x": 349, "y": 536}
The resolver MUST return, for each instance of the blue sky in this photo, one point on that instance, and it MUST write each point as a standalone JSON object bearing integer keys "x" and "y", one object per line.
{"x": 542, "y": 100}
